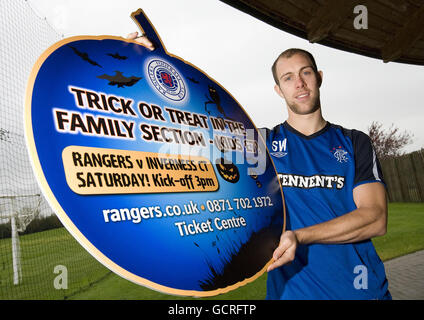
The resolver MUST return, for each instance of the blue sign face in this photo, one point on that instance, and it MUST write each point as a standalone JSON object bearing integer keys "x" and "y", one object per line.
{"x": 151, "y": 165}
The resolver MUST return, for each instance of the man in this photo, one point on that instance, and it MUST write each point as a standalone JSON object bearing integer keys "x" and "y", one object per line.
{"x": 335, "y": 197}
{"x": 334, "y": 192}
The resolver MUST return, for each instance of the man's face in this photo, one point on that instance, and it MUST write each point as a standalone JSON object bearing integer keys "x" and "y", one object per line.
{"x": 298, "y": 84}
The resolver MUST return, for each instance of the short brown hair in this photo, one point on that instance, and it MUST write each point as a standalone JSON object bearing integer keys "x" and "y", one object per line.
{"x": 288, "y": 54}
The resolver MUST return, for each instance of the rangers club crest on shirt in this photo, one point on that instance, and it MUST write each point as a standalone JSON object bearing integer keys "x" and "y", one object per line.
{"x": 166, "y": 79}
{"x": 339, "y": 154}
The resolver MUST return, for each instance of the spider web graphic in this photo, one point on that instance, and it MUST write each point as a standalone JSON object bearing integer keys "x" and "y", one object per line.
{"x": 32, "y": 240}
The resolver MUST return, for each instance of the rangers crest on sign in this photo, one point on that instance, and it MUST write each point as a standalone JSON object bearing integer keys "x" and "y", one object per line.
{"x": 166, "y": 80}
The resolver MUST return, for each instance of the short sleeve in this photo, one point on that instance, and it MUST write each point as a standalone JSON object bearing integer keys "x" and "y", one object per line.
{"x": 367, "y": 166}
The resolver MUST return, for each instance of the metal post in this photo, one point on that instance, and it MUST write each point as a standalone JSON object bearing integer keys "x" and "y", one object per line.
{"x": 16, "y": 253}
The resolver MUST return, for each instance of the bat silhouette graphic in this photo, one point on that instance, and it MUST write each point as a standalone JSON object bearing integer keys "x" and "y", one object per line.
{"x": 84, "y": 56}
{"x": 117, "y": 56}
{"x": 119, "y": 79}
{"x": 193, "y": 80}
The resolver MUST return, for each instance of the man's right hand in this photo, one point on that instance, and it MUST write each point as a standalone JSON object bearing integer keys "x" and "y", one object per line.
{"x": 286, "y": 250}
{"x": 142, "y": 40}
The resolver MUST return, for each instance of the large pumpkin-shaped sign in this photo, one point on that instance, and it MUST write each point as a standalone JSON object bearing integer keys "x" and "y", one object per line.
{"x": 151, "y": 165}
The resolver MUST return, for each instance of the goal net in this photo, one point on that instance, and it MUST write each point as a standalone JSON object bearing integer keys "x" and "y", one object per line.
{"x": 32, "y": 240}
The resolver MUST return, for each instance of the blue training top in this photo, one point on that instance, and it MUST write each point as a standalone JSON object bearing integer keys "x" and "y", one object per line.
{"x": 318, "y": 174}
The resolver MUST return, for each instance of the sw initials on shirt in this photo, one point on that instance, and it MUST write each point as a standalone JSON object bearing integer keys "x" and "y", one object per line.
{"x": 279, "y": 145}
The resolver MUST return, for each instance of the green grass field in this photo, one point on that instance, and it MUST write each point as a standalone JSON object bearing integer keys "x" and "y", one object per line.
{"x": 40, "y": 253}
{"x": 405, "y": 231}
{"x": 88, "y": 279}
